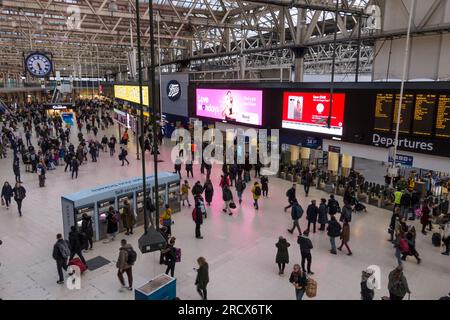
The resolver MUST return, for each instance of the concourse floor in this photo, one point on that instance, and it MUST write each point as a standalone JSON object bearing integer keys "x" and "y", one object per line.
{"x": 240, "y": 249}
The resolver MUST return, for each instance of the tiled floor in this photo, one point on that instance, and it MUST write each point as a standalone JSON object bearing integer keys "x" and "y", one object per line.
{"x": 240, "y": 249}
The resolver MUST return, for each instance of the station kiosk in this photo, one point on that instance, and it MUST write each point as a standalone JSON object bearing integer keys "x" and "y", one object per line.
{"x": 96, "y": 202}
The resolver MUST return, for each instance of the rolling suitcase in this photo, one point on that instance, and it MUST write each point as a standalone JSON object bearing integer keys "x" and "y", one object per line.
{"x": 77, "y": 262}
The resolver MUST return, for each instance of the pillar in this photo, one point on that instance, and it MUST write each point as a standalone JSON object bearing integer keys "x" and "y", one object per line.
{"x": 347, "y": 164}
{"x": 299, "y": 54}
{"x": 305, "y": 154}
{"x": 295, "y": 152}
{"x": 333, "y": 162}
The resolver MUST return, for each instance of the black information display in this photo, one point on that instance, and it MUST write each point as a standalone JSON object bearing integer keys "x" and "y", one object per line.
{"x": 424, "y": 114}
{"x": 383, "y": 111}
{"x": 406, "y": 112}
{"x": 443, "y": 117}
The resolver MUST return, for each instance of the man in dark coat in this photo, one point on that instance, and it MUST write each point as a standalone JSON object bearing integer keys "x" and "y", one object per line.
{"x": 60, "y": 253}
{"x": 198, "y": 217}
{"x": 305, "y": 251}
{"x": 87, "y": 231}
{"x": 76, "y": 244}
{"x": 296, "y": 214}
{"x": 311, "y": 215}
{"x": 291, "y": 197}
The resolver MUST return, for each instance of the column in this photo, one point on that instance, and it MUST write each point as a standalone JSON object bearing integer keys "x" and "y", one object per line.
{"x": 295, "y": 152}
{"x": 305, "y": 154}
{"x": 347, "y": 164}
{"x": 299, "y": 54}
{"x": 333, "y": 162}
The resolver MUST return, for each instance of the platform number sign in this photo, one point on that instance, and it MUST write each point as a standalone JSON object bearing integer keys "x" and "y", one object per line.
{"x": 38, "y": 65}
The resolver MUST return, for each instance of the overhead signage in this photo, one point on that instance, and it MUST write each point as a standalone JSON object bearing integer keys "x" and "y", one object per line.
{"x": 59, "y": 106}
{"x": 131, "y": 93}
{"x": 411, "y": 144}
{"x": 403, "y": 160}
{"x": 334, "y": 149}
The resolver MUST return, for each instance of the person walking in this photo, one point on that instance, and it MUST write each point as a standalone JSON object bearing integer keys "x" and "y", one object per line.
{"x": 425, "y": 216}
{"x": 87, "y": 230}
{"x": 227, "y": 198}
{"x": 307, "y": 182}
{"x": 296, "y": 214}
{"x": 177, "y": 166}
{"x": 367, "y": 293}
{"x": 305, "y": 251}
{"x": 345, "y": 237}
{"x": 312, "y": 213}
{"x": 346, "y": 213}
{"x": 19, "y": 194}
{"x": 189, "y": 169}
{"x": 16, "y": 170}
{"x": 61, "y": 253}
{"x": 398, "y": 285}
{"x": 75, "y": 164}
{"x": 412, "y": 248}
{"x": 112, "y": 146}
{"x": 128, "y": 217}
{"x": 282, "y": 257}
{"x": 125, "y": 261}
{"x": 76, "y": 244}
{"x": 323, "y": 214}
{"x": 202, "y": 279}
{"x": 299, "y": 281}
{"x": 170, "y": 256}
{"x": 334, "y": 231}
{"x": 290, "y": 194}
{"x": 7, "y": 194}
{"x": 333, "y": 206}
{"x": 123, "y": 156}
{"x": 265, "y": 186}
{"x": 209, "y": 191}
{"x": 197, "y": 189}
{"x": 185, "y": 192}
{"x": 197, "y": 216}
{"x": 256, "y": 191}
{"x": 166, "y": 219}
{"x": 112, "y": 222}
{"x": 240, "y": 187}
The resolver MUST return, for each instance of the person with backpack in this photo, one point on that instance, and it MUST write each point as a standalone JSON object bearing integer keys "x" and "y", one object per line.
{"x": 185, "y": 193}
{"x": 170, "y": 256}
{"x": 290, "y": 194}
{"x": 311, "y": 215}
{"x": 75, "y": 164}
{"x": 333, "y": 206}
{"x": 333, "y": 231}
{"x": 202, "y": 279}
{"x": 296, "y": 214}
{"x": 256, "y": 191}
{"x": 19, "y": 193}
{"x": 323, "y": 214}
{"x": 299, "y": 281}
{"x": 76, "y": 244}
{"x": 61, "y": 253}
{"x": 227, "y": 198}
{"x": 127, "y": 258}
{"x": 197, "y": 217}
{"x": 265, "y": 186}
{"x": 345, "y": 237}
{"x": 282, "y": 257}
{"x": 87, "y": 230}
{"x": 397, "y": 285}
{"x": 7, "y": 194}
{"x": 305, "y": 251}
{"x": 346, "y": 213}
{"x": 123, "y": 156}
{"x": 209, "y": 191}
{"x": 240, "y": 187}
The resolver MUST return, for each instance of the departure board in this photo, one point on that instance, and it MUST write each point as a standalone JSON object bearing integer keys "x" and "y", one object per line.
{"x": 424, "y": 114}
{"x": 406, "y": 112}
{"x": 443, "y": 117}
{"x": 383, "y": 111}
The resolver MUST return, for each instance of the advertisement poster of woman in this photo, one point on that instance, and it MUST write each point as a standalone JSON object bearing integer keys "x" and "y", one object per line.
{"x": 229, "y": 111}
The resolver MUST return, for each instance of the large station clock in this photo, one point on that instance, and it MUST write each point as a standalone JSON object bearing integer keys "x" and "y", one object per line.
{"x": 38, "y": 64}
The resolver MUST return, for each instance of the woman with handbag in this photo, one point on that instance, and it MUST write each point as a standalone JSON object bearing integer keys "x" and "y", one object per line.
{"x": 7, "y": 193}
{"x": 299, "y": 281}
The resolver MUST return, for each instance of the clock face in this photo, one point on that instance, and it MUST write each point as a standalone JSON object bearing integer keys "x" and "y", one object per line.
{"x": 38, "y": 65}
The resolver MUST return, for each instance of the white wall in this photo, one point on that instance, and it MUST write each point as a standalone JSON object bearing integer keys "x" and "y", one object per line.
{"x": 421, "y": 161}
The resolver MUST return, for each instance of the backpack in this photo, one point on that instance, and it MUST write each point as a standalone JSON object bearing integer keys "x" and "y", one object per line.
{"x": 64, "y": 249}
{"x": 258, "y": 191}
{"x": 311, "y": 288}
{"x": 403, "y": 245}
{"x": 132, "y": 256}
{"x": 177, "y": 255}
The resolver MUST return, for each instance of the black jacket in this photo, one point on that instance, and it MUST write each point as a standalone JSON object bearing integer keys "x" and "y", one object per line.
{"x": 57, "y": 252}
{"x": 334, "y": 229}
{"x": 226, "y": 194}
{"x": 75, "y": 240}
{"x": 202, "y": 277}
{"x": 305, "y": 244}
{"x": 291, "y": 194}
{"x": 197, "y": 190}
{"x": 333, "y": 206}
{"x": 7, "y": 192}
{"x": 312, "y": 212}
{"x": 405, "y": 200}
{"x": 86, "y": 227}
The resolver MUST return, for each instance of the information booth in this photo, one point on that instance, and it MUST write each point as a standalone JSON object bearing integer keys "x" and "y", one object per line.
{"x": 96, "y": 202}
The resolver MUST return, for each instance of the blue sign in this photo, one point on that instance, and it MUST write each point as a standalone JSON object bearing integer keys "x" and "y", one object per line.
{"x": 403, "y": 160}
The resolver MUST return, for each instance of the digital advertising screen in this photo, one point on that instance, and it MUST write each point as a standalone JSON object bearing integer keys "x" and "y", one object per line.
{"x": 309, "y": 111}
{"x": 241, "y": 106}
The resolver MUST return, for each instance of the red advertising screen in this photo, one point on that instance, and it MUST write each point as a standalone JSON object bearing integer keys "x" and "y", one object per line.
{"x": 309, "y": 111}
